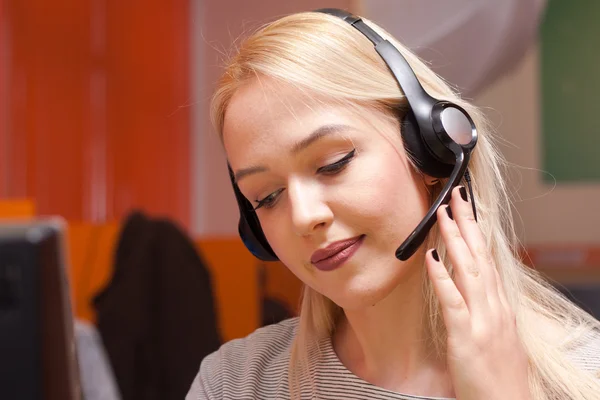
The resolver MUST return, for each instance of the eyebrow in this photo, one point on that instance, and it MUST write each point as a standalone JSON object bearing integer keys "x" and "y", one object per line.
{"x": 315, "y": 136}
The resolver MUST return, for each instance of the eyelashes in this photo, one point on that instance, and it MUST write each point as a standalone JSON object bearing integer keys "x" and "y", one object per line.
{"x": 329, "y": 170}
{"x": 337, "y": 166}
{"x": 269, "y": 201}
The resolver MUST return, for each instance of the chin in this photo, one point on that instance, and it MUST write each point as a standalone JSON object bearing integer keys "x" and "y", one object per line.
{"x": 362, "y": 292}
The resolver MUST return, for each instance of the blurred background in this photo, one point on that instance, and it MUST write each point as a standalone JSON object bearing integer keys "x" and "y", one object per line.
{"x": 104, "y": 122}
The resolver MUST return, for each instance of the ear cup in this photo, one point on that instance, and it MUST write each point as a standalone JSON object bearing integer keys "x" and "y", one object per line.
{"x": 249, "y": 226}
{"x": 254, "y": 238}
{"x": 418, "y": 150}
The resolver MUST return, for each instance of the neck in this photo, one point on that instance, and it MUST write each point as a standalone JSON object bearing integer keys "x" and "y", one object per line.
{"x": 388, "y": 344}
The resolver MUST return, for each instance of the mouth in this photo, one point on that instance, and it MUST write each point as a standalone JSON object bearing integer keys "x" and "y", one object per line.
{"x": 336, "y": 254}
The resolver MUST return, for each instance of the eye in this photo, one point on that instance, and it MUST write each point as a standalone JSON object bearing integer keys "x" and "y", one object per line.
{"x": 337, "y": 166}
{"x": 269, "y": 201}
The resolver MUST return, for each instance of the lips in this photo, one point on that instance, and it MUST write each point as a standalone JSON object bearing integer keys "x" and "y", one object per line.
{"x": 333, "y": 249}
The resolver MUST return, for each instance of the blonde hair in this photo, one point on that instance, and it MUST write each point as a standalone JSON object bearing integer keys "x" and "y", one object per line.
{"x": 323, "y": 55}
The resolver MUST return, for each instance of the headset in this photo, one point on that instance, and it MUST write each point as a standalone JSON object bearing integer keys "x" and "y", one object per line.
{"x": 439, "y": 135}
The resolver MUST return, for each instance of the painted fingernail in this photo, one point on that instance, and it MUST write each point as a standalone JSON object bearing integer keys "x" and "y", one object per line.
{"x": 463, "y": 193}
{"x": 435, "y": 255}
{"x": 449, "y": 212}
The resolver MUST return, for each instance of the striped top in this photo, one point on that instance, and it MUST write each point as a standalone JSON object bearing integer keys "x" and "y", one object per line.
{"x": 255, "y": 367}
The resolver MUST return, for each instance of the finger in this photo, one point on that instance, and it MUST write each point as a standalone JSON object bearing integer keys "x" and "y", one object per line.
{"x": 467, "y": 274}
{"x": 469, "y": 229}
{"x": 501, "y": 292}
{"x": 454, "y": 309}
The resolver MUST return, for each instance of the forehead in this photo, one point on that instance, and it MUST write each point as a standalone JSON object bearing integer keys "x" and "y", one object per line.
{"x": 265, "y": 118}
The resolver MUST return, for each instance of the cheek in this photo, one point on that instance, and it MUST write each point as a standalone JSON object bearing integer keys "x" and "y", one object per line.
{"x": 380, "y": 196}
{"x": 281, "y": 237}
{"x": 290, "y": 250}
{"x": 386, "y": 194}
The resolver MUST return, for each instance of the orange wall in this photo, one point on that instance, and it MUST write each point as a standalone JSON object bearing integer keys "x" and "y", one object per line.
{"x": 95, "y": 118}
{"x": 3, "y": 102}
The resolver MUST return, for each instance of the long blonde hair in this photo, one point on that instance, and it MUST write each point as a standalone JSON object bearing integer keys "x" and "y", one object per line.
{"x": 324, "y": 56}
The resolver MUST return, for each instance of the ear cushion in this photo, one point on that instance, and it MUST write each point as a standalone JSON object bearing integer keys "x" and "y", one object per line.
{"x": 249, "y": 226}
{"x": 254, "y": 239}
{"x": 418, "y": 150}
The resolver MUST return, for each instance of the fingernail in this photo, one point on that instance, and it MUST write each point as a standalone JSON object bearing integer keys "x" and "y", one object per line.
{"x": 463, "y": 193}
{"x": 435, "y": 255}
{"x": 449, "y": 211}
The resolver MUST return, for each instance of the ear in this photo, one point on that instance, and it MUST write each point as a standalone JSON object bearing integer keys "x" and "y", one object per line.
{"x": 430, "y": 180}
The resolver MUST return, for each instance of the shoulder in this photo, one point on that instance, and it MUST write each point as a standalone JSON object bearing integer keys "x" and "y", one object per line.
{"x": 265, "y": 348}
{"x": 247, "y": 367}
{"x": 584, "y": 352}
{"x": 578, "y": 341}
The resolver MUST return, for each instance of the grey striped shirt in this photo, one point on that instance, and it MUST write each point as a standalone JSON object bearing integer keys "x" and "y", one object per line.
{"x": 256, "y": 367}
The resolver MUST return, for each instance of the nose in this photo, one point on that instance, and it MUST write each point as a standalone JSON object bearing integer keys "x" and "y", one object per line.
{"x": 308, "y": 209}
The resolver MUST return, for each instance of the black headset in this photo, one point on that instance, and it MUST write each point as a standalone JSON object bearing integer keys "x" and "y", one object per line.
{"x": 438, "y": 134}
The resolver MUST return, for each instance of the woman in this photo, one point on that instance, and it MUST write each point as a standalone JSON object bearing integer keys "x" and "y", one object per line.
{"x": 316, "y": 128}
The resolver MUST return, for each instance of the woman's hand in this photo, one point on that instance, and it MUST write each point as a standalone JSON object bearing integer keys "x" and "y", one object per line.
{"x": 486, "y": 359}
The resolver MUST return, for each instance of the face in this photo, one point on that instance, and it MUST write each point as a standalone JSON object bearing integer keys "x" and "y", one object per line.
{"x": 322, "y": 177}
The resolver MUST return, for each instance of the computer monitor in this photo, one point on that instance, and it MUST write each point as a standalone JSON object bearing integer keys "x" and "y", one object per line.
{"x": 37, "y": 346}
